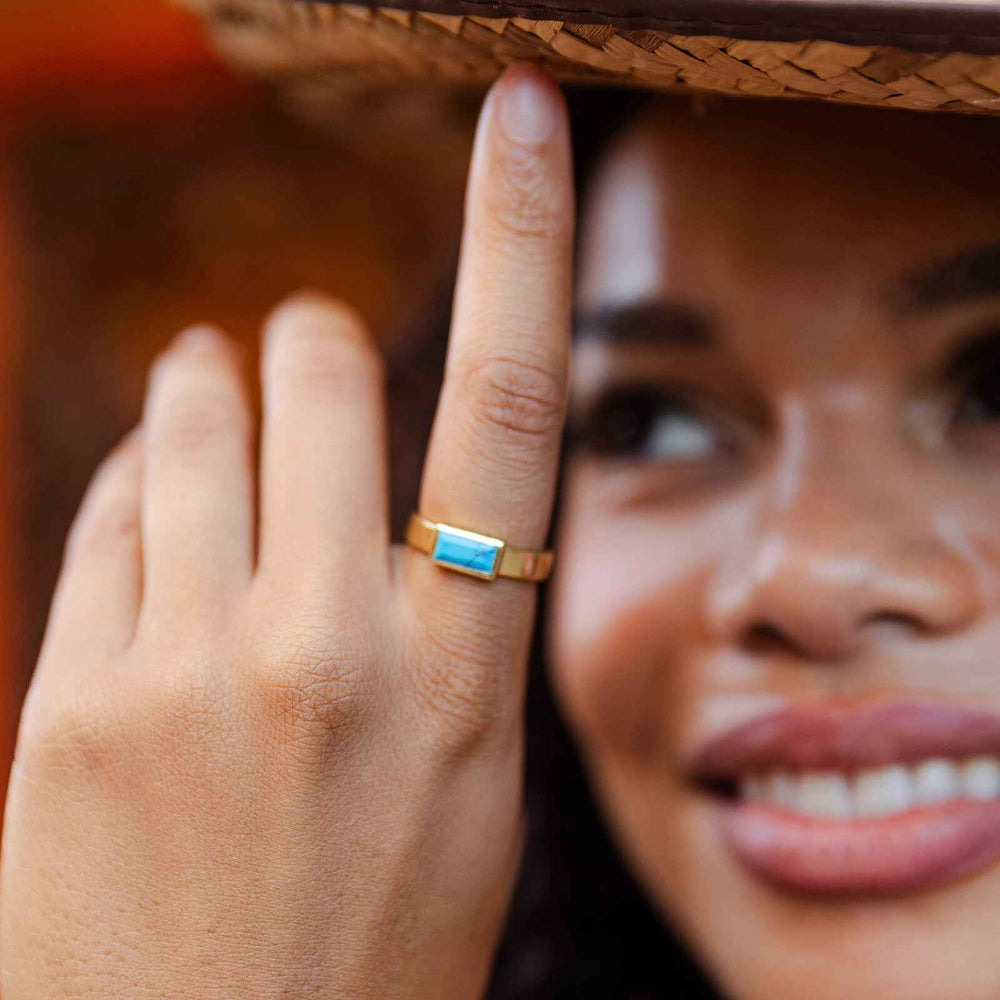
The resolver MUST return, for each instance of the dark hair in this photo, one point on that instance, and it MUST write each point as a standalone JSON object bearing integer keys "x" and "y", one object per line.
{"x": 580, "y": 927}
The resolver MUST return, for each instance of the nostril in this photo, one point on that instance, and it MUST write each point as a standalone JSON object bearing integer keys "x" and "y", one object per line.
{"x": 763, "y": 637}
{"x": 889, "y": 625}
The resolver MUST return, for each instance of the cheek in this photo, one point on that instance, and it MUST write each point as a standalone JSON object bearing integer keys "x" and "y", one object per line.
{"x": 626, "y": 615}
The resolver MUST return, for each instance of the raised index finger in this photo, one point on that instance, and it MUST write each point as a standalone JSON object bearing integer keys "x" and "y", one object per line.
{"x": 493, "y": 456}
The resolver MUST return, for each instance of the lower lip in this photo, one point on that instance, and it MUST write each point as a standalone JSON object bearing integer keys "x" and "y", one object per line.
{"x": 913, "y": 850}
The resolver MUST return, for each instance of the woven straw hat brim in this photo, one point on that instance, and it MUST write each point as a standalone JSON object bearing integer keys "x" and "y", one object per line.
{"x": 940, "y": 56}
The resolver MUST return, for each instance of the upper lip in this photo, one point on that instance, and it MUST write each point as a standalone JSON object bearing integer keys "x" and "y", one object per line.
{"x": 848, "y": 737}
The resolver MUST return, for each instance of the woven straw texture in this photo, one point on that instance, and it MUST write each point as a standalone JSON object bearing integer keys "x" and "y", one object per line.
{"x": 314, "y": 43}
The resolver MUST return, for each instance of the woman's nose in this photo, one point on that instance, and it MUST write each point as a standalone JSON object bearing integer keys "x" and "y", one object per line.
{"x": 850, "y": 550}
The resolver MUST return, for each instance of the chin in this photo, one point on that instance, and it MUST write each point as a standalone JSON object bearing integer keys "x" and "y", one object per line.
{"x": 761, "y": 937}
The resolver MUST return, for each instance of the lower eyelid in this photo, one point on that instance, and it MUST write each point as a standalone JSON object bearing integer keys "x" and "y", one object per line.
{"x": 625, "y": 483}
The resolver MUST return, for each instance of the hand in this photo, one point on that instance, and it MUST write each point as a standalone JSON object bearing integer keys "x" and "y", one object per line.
{"x": 268, "y": 754}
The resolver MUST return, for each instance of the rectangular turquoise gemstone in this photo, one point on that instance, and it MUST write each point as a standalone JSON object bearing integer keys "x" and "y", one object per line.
{"x": 471, "y": 554}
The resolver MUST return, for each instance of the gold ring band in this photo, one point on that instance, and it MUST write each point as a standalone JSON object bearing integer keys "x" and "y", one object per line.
{"x": 474, "y": 554}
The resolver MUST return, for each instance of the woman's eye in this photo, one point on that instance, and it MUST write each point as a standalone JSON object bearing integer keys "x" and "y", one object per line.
{"x": 979, "y": 372}
{"x": 982, "y": 400}
{"x": 649, "y": 423}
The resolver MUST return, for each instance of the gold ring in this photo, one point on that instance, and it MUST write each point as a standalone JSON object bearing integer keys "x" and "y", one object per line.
{"x": 474, "y": 554}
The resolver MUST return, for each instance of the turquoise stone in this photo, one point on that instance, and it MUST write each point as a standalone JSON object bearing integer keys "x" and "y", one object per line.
{"x": 472, "y": 554}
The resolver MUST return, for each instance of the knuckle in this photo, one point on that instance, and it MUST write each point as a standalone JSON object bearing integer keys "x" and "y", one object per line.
{"x": 68, "y": 735}
{"x": 177, "y": 720}
{"x": 517, "y": 396}
{"x": 461, "y": 686}
{"x": 179, "y": 705}
{"x": 307, "y": 679}
{"x": 525, "y": 205}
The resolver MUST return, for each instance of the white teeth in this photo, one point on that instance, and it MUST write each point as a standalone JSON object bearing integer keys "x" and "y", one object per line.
{"x": 824, "y": 794}
{"x": 936, "y": 781}
{"x": 751, "y": 788}
{"x": 781, "y": 789}
{"x": 981, "y": 778}
{"x": 883, "y": 791}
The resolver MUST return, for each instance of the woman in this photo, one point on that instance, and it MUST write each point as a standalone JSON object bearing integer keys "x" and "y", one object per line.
{"x": 268, "y": 754}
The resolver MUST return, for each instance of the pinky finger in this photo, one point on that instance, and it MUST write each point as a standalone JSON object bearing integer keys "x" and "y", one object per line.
{"x": 97, "y": 600}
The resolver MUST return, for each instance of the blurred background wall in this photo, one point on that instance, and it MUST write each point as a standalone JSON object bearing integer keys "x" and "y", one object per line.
{"x": 142, "y": 188}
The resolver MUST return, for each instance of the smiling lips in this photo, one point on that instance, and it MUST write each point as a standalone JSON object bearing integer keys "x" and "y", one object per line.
{"x": 869, "y": 798}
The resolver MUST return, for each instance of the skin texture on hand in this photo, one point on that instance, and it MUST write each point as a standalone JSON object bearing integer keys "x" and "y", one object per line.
{"x": 266, "y": 753}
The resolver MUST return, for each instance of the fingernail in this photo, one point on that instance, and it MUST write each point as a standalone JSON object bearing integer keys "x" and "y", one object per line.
{"x": 530, "y": 106}
{"x": 199, "y": 336}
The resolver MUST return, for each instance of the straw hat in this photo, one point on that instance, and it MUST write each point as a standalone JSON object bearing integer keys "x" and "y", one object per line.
{"x": 918, "y": 54}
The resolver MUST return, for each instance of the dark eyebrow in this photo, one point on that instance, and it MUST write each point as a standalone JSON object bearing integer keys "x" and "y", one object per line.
{"x": 948, "y": 281}
{"x": 659, "y": 321}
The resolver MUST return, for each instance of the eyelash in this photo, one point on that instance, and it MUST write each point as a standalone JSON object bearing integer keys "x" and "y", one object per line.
{"x": 976, "y": 371}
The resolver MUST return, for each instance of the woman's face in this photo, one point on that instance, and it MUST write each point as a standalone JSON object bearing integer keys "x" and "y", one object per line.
{"x": 776, "y": 626}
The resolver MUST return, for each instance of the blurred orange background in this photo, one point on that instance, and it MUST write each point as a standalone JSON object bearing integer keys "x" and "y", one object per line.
{"x": 66, "y": 60}
{"x": 143, "y": 186}
{"x": 70, "y": 62}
